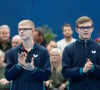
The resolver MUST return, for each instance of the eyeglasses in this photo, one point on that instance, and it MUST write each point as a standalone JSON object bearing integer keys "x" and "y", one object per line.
{"x": 85, "y": 27}
{"x": 24, "y": 29}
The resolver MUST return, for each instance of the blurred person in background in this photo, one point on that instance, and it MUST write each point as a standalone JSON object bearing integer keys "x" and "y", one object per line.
{"x": 16, "y": 41}
{"x": 98, "y": 39}
{"x": 4, "y": 84}
{"x": 39, "y": 36}
{"x": 56, "y": 82}
{"x": 68, "y": 38}
{"x": 5, "y": 41}
{"x": 51, "y": 44}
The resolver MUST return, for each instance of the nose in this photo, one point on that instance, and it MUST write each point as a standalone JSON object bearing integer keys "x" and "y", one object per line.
{"x": 21, "y": 31}
{"x": 86, "y": 29}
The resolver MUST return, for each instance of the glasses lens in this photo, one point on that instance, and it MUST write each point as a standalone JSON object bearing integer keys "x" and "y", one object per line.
{"x": 86, "y": 27}
{"x": 24, "y": 29}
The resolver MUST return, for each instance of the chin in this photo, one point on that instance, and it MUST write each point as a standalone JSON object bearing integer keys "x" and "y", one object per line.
{"x": 86, "y": 38}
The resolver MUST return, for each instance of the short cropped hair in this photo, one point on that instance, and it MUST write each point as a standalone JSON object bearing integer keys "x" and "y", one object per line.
{"x": 83, "y": 19}
{"x": 26, "y": 22}
{"x": 67, "y": 25}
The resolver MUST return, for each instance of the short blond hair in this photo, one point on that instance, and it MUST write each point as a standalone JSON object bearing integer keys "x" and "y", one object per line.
{"x": 26, "y": 22}
{"x": 83, "y": 19}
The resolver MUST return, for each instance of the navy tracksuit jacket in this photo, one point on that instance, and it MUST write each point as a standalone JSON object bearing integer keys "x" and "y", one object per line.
{"x": 73, "y": 60}
{"x": 25, "y": 79}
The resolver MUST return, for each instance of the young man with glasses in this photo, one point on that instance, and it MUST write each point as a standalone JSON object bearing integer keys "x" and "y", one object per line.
{"x": 81, "y": 60}
{"x": 28, "y": 65}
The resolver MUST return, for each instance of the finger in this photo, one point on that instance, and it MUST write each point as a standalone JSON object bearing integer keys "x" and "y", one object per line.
{"x": 90, "y": 63}
{"x": 88, "y": 60}
{"x": 32, "y": 62}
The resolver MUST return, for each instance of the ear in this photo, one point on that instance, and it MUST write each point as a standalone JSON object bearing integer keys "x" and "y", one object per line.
{"x": 33, "y": 31}
{"x": 77, "y": 30}
{"x": 92, "y": 29}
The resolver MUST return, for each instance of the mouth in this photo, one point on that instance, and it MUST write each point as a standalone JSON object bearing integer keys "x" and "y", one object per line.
{"x": 86, "y": 33}
{"x": 21, "y": 35}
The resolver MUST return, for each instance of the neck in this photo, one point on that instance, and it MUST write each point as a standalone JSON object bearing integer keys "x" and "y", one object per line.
{"x": 28, "y": 44}
{"x": 68, "y": 39}
{"x": 84, "y": 39}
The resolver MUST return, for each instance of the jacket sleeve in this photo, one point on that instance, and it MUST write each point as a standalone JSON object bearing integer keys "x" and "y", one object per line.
{"x": 12, "y": 70}
{"x": 68, "y": 71}
{"x": 96, "y": 67}
{"x": 43, "y": 73}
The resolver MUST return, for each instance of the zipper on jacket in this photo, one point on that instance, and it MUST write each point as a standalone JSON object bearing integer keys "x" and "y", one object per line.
{"x": 86, "y": 57}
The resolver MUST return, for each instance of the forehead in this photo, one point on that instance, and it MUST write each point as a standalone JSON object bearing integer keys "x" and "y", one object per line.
{"x": 66, "y": 27}
{"x": 25, "y": 26}
{"x": 4, "y": 30}
{"x": 16, "y": 39}
{"x": 86, "y": 24}
{"x": 54, "y": 52}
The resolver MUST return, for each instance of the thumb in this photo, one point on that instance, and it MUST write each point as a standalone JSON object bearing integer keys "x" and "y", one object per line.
{"x": 88, "y": 59}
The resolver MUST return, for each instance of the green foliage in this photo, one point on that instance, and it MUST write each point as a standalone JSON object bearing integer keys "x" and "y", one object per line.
{"x": 48, "y": 34}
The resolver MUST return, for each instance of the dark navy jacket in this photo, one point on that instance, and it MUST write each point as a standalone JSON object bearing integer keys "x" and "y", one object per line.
{"x": 25, "y": 79}
{"x": 73, "y": 60}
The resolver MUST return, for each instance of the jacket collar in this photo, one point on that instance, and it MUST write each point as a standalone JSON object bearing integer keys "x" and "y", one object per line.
{"x": 85, "y": 41}
{"x": 21, "y": 47}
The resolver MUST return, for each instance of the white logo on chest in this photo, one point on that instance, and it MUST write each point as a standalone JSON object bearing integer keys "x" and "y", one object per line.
{"x": 35, "y": 55}
{"x": 93, "y": 51}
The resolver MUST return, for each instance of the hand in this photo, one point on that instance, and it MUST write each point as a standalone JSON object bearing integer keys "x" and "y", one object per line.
{"x": 62, "y": 86}
{"x": 3, "y": 81}
{"x": 29, "y": 66}
{"x": 48, "y": 83}
{"x": 21, "y": 58}
{"x": 88, "y": 66}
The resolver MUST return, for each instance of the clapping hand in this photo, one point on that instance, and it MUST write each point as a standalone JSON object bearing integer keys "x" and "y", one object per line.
{"x": 21, "y": 58}
{"x": 29, "y": 66}
{"x": 88, "y": 66}
{"x": 21, "y": 61}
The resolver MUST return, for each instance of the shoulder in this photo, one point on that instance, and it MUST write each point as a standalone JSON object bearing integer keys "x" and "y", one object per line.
{"x": 12, "y": 50}
{"x": 73, "y": 39}
{"x": 41, "y": 48}
{"x": 60, "y": 41}
{"x": 70, "y": 47}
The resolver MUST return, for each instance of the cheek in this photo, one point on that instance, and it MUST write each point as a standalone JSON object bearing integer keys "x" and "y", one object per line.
{"x": 1, "y": 60}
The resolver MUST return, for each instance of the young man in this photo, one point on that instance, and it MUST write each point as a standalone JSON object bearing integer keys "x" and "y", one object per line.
{"x": 28, "y": 65}
{"x": 68, "y": 39}
{"x": 81, "y": 60}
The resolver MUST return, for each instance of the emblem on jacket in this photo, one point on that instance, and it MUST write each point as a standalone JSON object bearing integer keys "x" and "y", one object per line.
{"x": 93, "y": 51}
{"x": 35, "y": 55}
